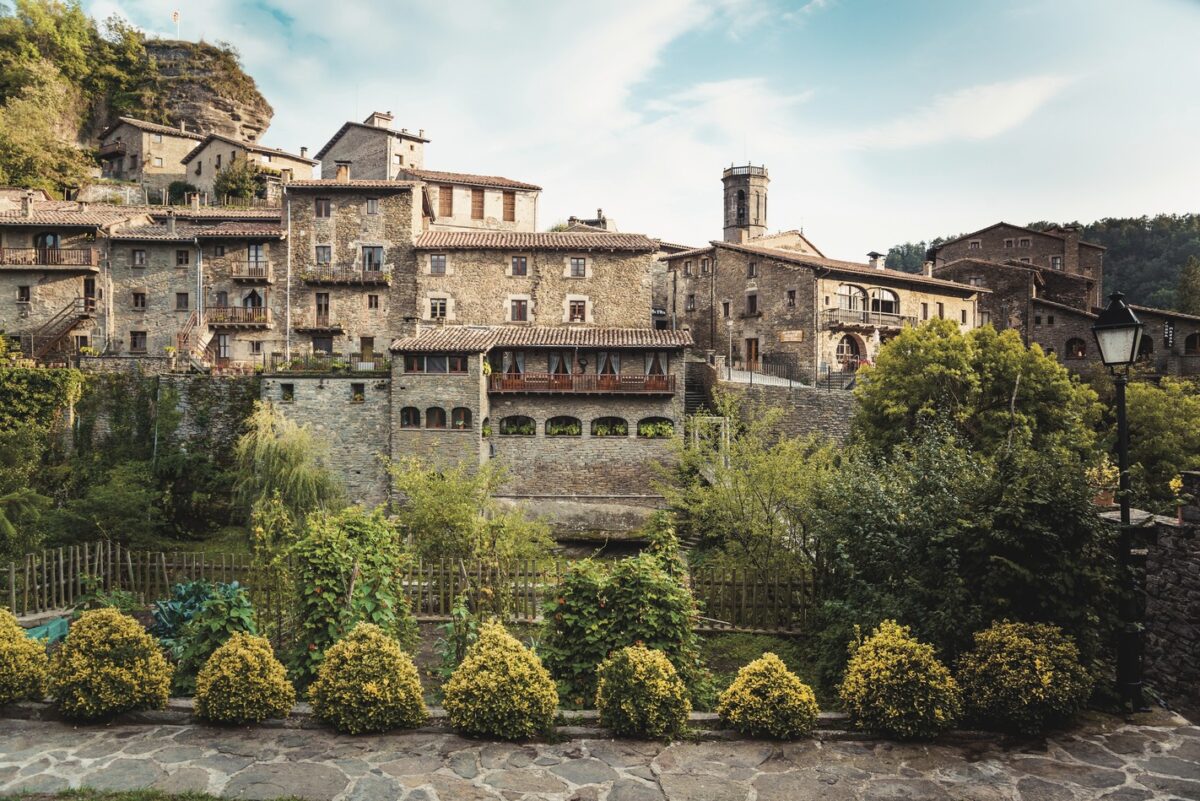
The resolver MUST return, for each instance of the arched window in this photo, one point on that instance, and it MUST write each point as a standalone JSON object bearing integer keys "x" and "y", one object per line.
{"x": 517, "y": 426}
{"x": 851, "y": 297}
{"x": 563, "y": 426}
{"x": 435, "y": 417}
{"x": 1076, "y": 349}
{"x": 1145, "y": 348}
{"x": 741, "y": 207}
{"x": 884, "y": 301}
{"x": 410, "y": 417}
{"x": 610, "y": 427}
{"x": 848, "y": 353}
{"x": 460, "y": 418}
{"x": 655, "y": 427}
{"x": 1191, "y": 345}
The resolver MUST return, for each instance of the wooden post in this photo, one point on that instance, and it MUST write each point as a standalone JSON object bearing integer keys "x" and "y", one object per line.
{"x": 12, "y": 587}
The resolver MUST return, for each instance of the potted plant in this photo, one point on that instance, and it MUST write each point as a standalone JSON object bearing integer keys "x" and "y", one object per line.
{"x": 1103, "y": 477}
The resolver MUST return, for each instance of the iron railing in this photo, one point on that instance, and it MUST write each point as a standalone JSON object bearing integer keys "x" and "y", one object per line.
{"x": 48, "y": 257}
{"x": 238, "y": 315}
{"x": 254, "y": 270}
{"x": 345, "y": 275}
{"x": 838, "y": 317}
{"x": 329, "y": 363}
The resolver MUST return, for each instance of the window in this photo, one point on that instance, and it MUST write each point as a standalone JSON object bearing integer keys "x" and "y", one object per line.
{"x": 725, "y": 309}
{"x": 653, "y": 427}
{"x": 324, "y": 254}
{"x": 985, "y": 318}
{"x": 218, "y": 250}
{"x": 924, "y": 311}
{"x": 975, "y": 280}
{"x": 397, "y": 158}
{"x": 445, "y": 201}
{"x": 456, "y": 363}
{"x": 372, "y": 258}
{"x": 435, "y": 417}
{"x": 1037, "y": 319}
{"x": 256, "y": 346}
{"x": 885, "y": 301}
{"x": 610, "y": 427}
{"x": 222, "y": 299}
{"x": 851, "y": 298}
{"x": 139, "y": 300}
{"x": 941, "y": 310}
{"x": 963, "y": 313}
{"x": 358, "y": 393}
{"x": 133, "y": 162}
{"x": 974, "y": 244}
{"x": 323, "y": 345}
{"x": 372, "y": 205}
{"x": 687, "y": 268}
{"x": 460, "y": 418}
{"x": 519, "y": 311}
{"x": 287, "y": 393}
{"x": 476, "y": 204}
{"x": 1076, "y": 349}
{"x": 1026, "y": 260}
{"x": 564, "y": 426}
{"x": 517, "y": 426}
{"x": 1056, "y": 262}
{"x": 691, "y": 303}
{"x": 510, "y": 206}
{"x": 656, "y": 362}
{"x": 156, "y": 139}
{"x": 437, "y": 264}
{"x": 752, "y": 270}
{"x": 1049, "y": 319}
{"x": 752, "y": 304}
{"x": 577, "y": 311}
{"x": 256, "y": 254}
{"x": 520, "y": 265}
{"x": 1008, "y": 243}
{"x": 578, "y": 267}
{"x": 222, "y": 346}
{"x": 322, "y": 206}
{"x": 181, "y": 258}
{"x": 218, "y": 161}
{"x": 158, "y": 162}
{"x": 372, "y": 301}
{"x": 704, "y": 266}
{"x": 791, "y": 298}
{"x": 137, "y": 341}
{"x": 437, "y": 308}
{"x": 181, "y": 301}
{"x": 138, "y": 257}
{"x": 24, "y": 295}
{"x": 410, "y": 417}
{"x": 1191, "y": 345}
{"x": 1025, "y": 242}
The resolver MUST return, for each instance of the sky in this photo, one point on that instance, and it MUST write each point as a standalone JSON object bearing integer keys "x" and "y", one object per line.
{"x": 880, "y": 121}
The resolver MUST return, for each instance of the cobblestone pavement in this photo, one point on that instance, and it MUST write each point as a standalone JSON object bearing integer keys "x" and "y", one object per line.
{"x": 1104, "y": 760}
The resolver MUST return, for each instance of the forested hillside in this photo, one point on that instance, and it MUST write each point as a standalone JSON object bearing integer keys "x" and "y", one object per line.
{"x": 1145, "y": 259}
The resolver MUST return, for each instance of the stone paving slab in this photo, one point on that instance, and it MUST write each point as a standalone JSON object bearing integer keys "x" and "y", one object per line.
{"x": 1152, "y": 757}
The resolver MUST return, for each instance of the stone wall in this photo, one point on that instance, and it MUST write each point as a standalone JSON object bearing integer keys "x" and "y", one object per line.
{"x": 159, "y": 280}
{"x": 1173, "y": 607}
{"x": 1055, "y": 326}
{"x": 806, "y": 410}
{"x": 524, "y": 207}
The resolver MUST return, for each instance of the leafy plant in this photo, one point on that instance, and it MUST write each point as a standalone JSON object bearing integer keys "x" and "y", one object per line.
{"x": 367, "y": 684}
{"x": 227, "y": 612}
{"x": 639, "y": 694}
{"x": 23, "y": 662}
{"x": 655, "y": 429}
{"x": 458, "y": 635}
{"x": 96, "y": 596}
{"x": 566, "y": 427}
{"x": 768, "y": 700}
{"x": 171, "y": 614}
{"x": 517, "y": 426}
{"x": 243, "y": 682}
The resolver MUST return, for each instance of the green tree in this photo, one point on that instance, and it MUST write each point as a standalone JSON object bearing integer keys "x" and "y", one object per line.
{"x": 1189, "y": 287}
{"x": 1164, "y": 426}
{"x": 21, "y": 450}
{"x": 32, "y": 151}
{"x": 125, "y": 506}
{"x": 240, "y": 179}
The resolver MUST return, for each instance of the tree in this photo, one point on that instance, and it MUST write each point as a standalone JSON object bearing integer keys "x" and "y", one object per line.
{"x": 996, "y": 391}
{"x": 32, "y": 152}
{"x": 21, "y": 450}
{"x": 1189, "y": 287}
{"x": 241, "y": 179}
{"x": 1164, "y": 426}
{"x": 909, "y": 257}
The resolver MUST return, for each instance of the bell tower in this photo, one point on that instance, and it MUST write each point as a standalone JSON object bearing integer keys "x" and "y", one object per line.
{"x": 745, "y": 202}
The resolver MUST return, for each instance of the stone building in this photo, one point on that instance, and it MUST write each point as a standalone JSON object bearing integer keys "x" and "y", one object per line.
{"x": 216, "y": 153}
{"x": 377, "y": 151}
{"x": 145, "y": 153}
{"x": 466, "y": 202}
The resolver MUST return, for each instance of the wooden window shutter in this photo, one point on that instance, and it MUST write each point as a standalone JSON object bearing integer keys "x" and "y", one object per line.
{"x": 476, "y": 204}
{"x": 445, "y": 201}
{"x": 510, "y": 206}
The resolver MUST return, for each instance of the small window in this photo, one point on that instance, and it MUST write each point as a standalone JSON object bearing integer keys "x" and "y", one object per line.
{"x": 397, "y": 158}
{"x": 1049, "y": 319}
{"x": 1026, "y": 242}
{"x": 520, "y": 265}
{"x": 24, "y": 295}
{"x": 610, "y": 427}
{"x": 437, "y": 264}
{"x": 964, "y": 316}
{"x": 372, "y": 301}
{"x": 358, "y": 393}
{"x": 974, "y": 244}
{"x": 158, "y": 162}
{"x": 941, "y": 310}
{"x": 517, "y": 426}
{"x": 725, "y": 309}
{"x": 138, "y": 258}
{"x": 435, "y": 417}
{"x": 510, "y": 206}
{"x": 577, "y": 311}
{"x": 924, "y": 311}
{"x": 1026, "y": 260}
{"x": 182, "y": 258}
{"x": 287, "y": 393}
{"x": 256, "y": 346}
{"x": 520, "y": 311}
{"x": 181, "y": 301}
{"x": 1037, "y": 319}
{"x": 791, "y": 298}
{"x": 1056, "y": 262}
{"x": 752, "y": 270}
{"x": 218, "y": 250}
{"x": 372, "y": 258}
{"x": 437, "y": 308}
{"x": 322, "y": 207}
{"x": 156, "y": 138}
{"x": 1076, "y": 349}
{"x": 324, "y": 254}
{"x": 414, "y": 363}
{"x": 578, "y": 267}
{"x": 564, "y": 426}
{"x": 690, "y": 305}
{"x": 687, "y": 268}
{"x": 752, "y": 304}
{"x": 372, "y": 205}
{"x": 476, "y": 204}
{"x": 137, "y": 341}
{"x": 410, "y": 417}
{"x": 445, "y": 201}
{"x": 139, "y": 300}
{"x": 460, "y": 418}
{"x": 704, "y": 267}
{"x": 985, "y": 318}
{"x": 1008, "y": 243}
{"x": 218, "y": 161}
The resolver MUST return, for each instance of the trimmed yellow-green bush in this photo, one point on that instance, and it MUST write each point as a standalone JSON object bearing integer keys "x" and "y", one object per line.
{"x": 366, "y": 683}
{"x": 768, "y": 700}
{"x": 23, "y": 662}
{"x": 108, "y": 665}
{"x": 243, "y": 682}
{"x": 639, "y": 694}
{"x": 895, "y": 685}
{"x": 500, "y": 689}
{"x": 1023, "y": 677}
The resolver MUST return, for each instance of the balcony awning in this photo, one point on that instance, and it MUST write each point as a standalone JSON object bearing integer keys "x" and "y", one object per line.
{"x": 480, "y": 339}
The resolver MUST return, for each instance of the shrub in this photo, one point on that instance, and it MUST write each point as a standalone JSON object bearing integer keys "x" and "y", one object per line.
{"x": 243, "y": 682}
{"x": 1022, "y": 677}
{"x": 768, "y": 700}
{"x": 895, "y": 685}
{"x": 172, "y": 614}
{"x": 500, "y": 689}
{"x": 23, "y": 662}
{"x": 95, "y": 596}
{"x": 227, "y": 612}
{"x": 108, "y": 665}
{"x": 639, "y": 694}
{"x": 367, "y": 684}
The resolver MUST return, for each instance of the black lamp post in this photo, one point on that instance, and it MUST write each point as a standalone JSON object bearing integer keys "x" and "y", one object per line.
{"x": 1118, "y": 334}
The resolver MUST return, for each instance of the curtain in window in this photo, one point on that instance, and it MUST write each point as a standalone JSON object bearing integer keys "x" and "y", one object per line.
{"x": 514, "y": 362}
{"x": 608, "y": 362}
{"x": 656, "y": 363}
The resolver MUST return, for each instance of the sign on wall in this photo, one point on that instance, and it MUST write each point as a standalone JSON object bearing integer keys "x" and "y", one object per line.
{"x": 791, "y": 336}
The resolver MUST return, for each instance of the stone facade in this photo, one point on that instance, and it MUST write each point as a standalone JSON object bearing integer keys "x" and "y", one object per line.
{"x": 807, "y": 411}
{"x": 217, "y": 153}
{"x": 464, "y": 213}
{"x": 373, "y": 149}
{"x": 146, "y": 153}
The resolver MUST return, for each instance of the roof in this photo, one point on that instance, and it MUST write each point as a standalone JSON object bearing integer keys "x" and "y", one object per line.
{"x": 353, "y": 183}
{"x": 250, "y": 146}
{"x": 673, "y": 247}
{"x": 437, "y": 176}
{"x": 521, "y": 240}
{"x": 215, "y": 212}
{"x": 187, "y": 233}
{"x": 89, "y": 218}
{"x": 1062, "y": 307}
{"x": 151, "y": 127}
{"x": 1052, "y": 232}
{"x": 478, "y": 339}
{"x": 1164, "y": 312}
{"x": 350, "y": 124}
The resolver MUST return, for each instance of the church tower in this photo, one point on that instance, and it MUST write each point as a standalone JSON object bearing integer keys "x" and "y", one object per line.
{"x": 745, "y": 202}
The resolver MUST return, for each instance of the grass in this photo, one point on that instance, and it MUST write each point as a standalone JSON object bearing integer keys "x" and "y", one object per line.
{"x": 725, "y": 654}
{"x": 84, "y": 794}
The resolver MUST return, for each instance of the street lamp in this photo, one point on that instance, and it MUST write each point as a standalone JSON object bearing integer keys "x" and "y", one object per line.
{"x": 1118, "y": 333}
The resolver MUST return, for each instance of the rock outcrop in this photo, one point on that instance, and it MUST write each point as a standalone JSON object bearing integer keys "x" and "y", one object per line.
{"x": 205, "y": 87}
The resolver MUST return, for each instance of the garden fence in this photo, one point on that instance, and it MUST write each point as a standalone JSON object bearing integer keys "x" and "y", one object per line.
{"x": 52, "y": 581}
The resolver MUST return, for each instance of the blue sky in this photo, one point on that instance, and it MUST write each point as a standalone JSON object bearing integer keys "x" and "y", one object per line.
{"x": 880, "y": 120}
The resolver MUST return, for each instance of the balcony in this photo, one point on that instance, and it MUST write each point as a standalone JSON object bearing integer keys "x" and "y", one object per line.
{"x": 850, "y": 318}
{"x": 581, "y": 384}
{"x": 238, "y": 316}
{"x": 50, "y": 258}
{"x": 251, "y": 272}
{"x": 112, "y": 150}
{"x": 344, "y": 275}
{"x": 320, "y": 322}
{"x": 323, "y": 363}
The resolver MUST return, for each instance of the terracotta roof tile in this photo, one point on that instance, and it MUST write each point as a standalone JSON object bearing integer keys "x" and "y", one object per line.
{"x": 518, "y": 240}
{"x": 478, "y": 339}
{"x": 351, "y": 124}
{"x": 1062, "y": 307}
{"x": 152, "y": 127}
{"x": 353, "y": 183}
{"x": 186, "y": 232}
{"x": 437, "y": 176}
{"x": 253, "y": 147}
{"x": 451, "y": 339}
{"x": 90, "y": 218}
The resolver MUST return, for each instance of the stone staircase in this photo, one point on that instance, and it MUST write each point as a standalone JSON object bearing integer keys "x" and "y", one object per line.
{"x": 695, "y": 394}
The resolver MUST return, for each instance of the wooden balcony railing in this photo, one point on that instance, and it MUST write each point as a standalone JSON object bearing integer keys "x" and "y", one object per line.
{"x": 111, "y": 150}
{"x": 251, "y": 271}
{"x": 345, "y": 275}
{"x": 831, "y": 318}
{"x": 238, "y": 316}
{"x": 48, "y": 257}
{"x": 582, "y": 383}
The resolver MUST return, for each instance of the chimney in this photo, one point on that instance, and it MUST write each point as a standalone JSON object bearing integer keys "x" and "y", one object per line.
{"x": 600, "y": 214}
{"x": 877, "y": 260}
{"x": 171, "y": 222}
{"x": 379, "y": 119}
{"x": 421, "y": 133}
{"x": 303, "y": 152}
{"x": 27, "y": 204}
{"x": 928, "y": 269}
{"x": 343, "y": 171}
{"x": 194, "y": 200}
{"x": 183, "y": 126}
{"x": 83, "y": 205}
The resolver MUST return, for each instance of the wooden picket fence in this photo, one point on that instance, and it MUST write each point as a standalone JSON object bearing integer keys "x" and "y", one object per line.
{"x": 773, "y": 600}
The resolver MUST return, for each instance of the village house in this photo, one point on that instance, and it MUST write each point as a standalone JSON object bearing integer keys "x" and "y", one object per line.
{"x": 145, "y": 153}
{"x": 216, "y": 153}
{"x": 377, "y": 151}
